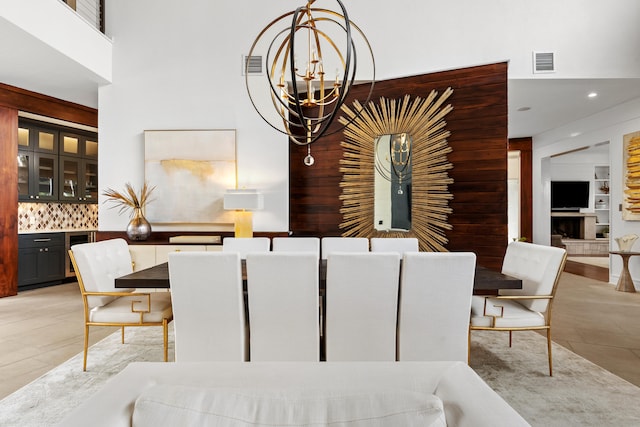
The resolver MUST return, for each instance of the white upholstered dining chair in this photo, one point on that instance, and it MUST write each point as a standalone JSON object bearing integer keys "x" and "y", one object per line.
{"x": 435, "y": 300}
{"x": 296, "y": 244}
{"x": 282, "y": 291}
{"x": 361, "y": 306}
{"x": 244, "y": 245}
{"x": 97, "y": 264}
{"x": 208, "y": 306}
{"x": 343, "y": 244}
{"x": 394, "y": 244}
{"x": 528, "y": 308}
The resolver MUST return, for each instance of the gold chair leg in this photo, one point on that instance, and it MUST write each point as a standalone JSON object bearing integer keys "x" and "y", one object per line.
{"x": 469, "y": 347}
{"x": 86, "y": 347}
{"x": 165, "y": 331}
{"x": 549, "y": 352}
{"x": 122, "y": 335}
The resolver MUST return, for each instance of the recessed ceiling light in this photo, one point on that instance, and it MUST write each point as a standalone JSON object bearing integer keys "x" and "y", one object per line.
{"x": 574, "y": 134}
{"x": 524, "y": 108}
{"x": 592, "y": 94}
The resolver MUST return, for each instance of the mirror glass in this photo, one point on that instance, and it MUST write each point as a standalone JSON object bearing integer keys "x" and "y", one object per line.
{"x": 392, "y": 191}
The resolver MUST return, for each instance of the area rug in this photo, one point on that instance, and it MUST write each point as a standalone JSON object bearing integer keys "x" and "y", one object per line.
{"x": 579, "y": 394}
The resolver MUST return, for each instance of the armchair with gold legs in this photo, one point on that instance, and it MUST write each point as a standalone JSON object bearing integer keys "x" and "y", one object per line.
{"x": 96, "y": 265}
{"x": 528, "y": 308}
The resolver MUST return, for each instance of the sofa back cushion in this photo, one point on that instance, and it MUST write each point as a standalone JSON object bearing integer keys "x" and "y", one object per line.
{"x": 194, "y": 406}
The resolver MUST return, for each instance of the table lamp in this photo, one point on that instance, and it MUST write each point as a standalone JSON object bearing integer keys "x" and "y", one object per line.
{"x": 243, "y": 202}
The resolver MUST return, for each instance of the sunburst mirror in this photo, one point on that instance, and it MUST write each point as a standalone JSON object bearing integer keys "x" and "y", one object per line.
{"x": 395, "y": 170}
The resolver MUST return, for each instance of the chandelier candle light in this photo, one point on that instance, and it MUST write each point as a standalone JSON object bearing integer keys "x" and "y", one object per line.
{"x": 300, "y": 47}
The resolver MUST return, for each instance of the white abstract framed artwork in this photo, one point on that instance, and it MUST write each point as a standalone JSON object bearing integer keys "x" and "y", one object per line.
{"x": 191, "y": 170}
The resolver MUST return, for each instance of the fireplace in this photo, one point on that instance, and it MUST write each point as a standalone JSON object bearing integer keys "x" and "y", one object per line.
{"x": 574, "y": 225}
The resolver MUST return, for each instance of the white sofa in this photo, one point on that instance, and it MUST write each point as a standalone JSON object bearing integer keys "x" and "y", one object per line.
{"x": 288, "y": 393}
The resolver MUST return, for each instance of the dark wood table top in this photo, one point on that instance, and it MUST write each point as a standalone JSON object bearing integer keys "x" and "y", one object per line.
{"x": 158, "y": 277}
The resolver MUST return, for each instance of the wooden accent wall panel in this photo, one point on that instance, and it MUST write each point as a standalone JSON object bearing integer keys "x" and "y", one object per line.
{"x": 8, "y": 202}
{"x": 478, "y": 125}
{"x": 12, "y": 100}
{"x": 32, "y": 102}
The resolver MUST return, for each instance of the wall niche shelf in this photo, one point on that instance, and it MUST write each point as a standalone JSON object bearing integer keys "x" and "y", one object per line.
{"x": 601, "y": 202}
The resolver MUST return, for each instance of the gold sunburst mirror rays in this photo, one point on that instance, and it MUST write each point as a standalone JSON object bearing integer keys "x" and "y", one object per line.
{"x": 422, "y": 120}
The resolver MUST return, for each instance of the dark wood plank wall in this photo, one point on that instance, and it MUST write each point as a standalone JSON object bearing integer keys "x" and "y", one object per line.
{"x": 12, "y": 100}
{"x": 478, "y": 125}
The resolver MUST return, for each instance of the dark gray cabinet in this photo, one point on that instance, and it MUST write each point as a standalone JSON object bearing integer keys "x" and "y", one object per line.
{"x": 41, "y": 259}
{"x": 55, "y": 164}
{"x": 37, "y": 176}
{"x": 78, "y": 167}
{"x": 79, "y": 180}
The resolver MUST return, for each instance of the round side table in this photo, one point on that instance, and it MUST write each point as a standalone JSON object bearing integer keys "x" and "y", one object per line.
{"x": 625, "y": 282}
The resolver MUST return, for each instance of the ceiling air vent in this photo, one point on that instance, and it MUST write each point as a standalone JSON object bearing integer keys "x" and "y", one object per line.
{"x": 251, "y": 65}
{"x": 543, "y": 62}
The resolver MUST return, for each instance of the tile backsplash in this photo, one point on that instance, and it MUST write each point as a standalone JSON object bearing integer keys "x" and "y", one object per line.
{"x": 56, "y": 216}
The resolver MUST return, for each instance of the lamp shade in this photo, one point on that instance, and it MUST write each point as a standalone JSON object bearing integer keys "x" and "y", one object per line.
{"x": 243, "y": 199}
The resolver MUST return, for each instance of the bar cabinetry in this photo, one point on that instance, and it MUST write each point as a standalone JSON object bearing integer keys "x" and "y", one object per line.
{"x": 55, "y": 164}
{"x": 40, "y": 259}
{"x": 37, "y": 164}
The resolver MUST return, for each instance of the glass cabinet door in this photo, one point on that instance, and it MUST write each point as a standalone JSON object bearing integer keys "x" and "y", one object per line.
{"x": 69, "y": 178}
{"x": 46, "y": 168}
{"x": 70, "y": 145}
{"x": 91, "y": 148}
{"x": 46, "y": 141}
{"x": 90, "y": 181}
{"x": 24, "y": 175}
{"x": 23, "y": 137}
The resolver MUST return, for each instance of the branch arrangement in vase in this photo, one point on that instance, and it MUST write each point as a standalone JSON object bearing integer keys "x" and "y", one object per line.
{"x": 129, "y": 199}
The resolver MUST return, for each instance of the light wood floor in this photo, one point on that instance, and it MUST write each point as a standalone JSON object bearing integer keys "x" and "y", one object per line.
{"x": 597, "y": 322}
{"x": 42, "y": 328}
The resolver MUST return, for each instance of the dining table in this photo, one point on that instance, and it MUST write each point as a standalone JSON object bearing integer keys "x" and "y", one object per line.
{"x": 485, "y": 280}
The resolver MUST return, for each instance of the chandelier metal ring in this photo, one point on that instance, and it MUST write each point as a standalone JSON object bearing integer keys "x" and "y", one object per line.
{"x": 305, "y": 100}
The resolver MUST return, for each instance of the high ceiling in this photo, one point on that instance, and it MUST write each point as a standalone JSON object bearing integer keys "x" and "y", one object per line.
{"x": 29, "y": 64}
{"x": 556, "y": 102}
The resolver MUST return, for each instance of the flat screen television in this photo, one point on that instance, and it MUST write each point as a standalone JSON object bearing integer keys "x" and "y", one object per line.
{"x": 569, "y": 195}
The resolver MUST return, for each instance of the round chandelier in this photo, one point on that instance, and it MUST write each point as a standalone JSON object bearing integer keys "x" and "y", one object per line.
{"x": 311, "y": 61}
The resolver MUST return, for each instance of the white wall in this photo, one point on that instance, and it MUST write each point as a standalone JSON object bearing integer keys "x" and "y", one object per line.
{"x": 50, "y": 32}
{"x": 176, "y": 65}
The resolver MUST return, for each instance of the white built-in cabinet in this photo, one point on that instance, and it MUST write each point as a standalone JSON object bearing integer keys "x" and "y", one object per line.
{"x": 145, "y": 256}
{"x": 602, "y": 200}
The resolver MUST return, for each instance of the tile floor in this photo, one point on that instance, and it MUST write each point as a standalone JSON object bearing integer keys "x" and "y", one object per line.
{"x": 42, "y": 328}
